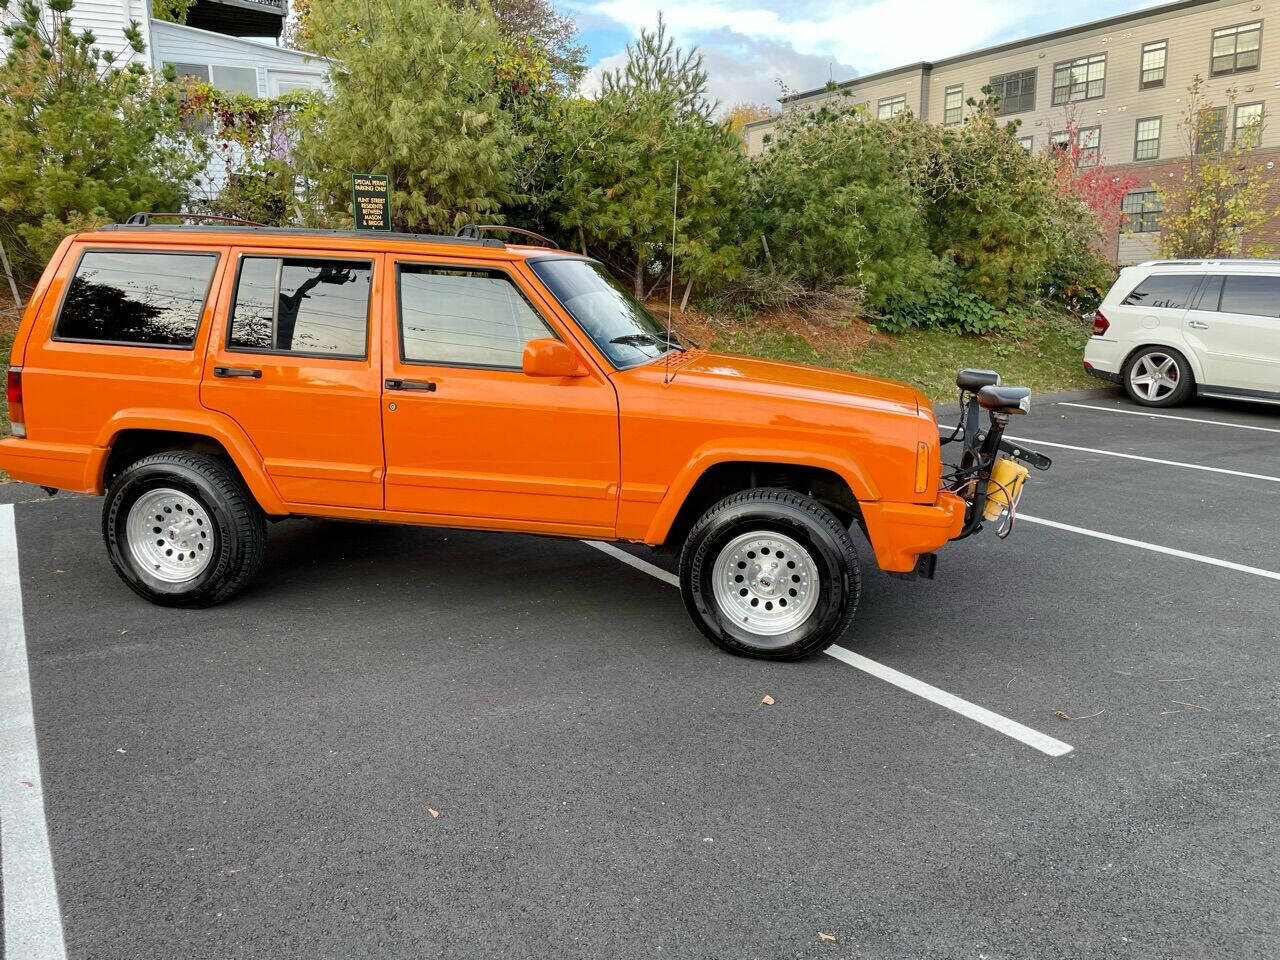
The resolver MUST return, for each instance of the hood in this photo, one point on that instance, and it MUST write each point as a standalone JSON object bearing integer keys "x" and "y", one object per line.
{"x": 794, "y": 380}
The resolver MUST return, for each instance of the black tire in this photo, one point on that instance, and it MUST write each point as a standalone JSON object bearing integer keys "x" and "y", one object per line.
{"x": 237, "y": 528}
{"x": 1186, "y": 381}
{"x": 804, "y": 521}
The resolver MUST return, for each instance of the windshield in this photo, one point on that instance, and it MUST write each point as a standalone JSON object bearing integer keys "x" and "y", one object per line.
{"x": 624, "y": 330}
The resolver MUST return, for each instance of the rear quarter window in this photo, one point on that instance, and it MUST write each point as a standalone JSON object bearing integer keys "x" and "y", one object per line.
{"x": 1171, "y": 291}
{"x": 136, "y": 298}
{"x": 1257, "y": 296}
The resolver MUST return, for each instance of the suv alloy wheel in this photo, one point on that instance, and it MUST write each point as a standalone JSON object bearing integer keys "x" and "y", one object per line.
{"x": 1158, "y": 377}
{"x": 770, "y": 573}
{"x": 182, "y": 530}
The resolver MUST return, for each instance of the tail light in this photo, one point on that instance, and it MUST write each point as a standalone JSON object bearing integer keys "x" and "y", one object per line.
{"x": 17, "y": 415}
{"x": 1100, "y": 324}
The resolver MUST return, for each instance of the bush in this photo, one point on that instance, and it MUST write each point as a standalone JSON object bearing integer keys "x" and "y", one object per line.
{"x": 83, "y": 139}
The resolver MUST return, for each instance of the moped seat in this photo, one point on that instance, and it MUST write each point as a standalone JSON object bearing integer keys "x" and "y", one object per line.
{"x": 974, "y": 380}
{"x": 1005, "y": 399}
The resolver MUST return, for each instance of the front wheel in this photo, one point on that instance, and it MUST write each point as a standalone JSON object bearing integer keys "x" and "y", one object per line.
{"x": 770, "y": 573}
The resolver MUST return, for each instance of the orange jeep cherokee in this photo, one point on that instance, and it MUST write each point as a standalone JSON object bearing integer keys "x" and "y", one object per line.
{"x": 208, "y": 378}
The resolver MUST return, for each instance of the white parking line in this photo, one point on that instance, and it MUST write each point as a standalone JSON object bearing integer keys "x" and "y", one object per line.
{"x": 32, "y": 917}
{"x": 1134, "y": 456}
{"x": 1167, "y": 416}
{"x": 1154, "y": 547}
{"x": 1010, "y": 728}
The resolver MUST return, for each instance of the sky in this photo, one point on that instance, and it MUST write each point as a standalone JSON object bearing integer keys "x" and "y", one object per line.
{"x": 752, "y": 49}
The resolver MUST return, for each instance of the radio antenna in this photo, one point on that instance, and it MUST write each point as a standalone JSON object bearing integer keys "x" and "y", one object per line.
{"x": 671, "y": 285}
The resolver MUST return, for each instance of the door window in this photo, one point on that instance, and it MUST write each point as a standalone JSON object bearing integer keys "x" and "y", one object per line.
{"x": 147, "y": 299}
{"x": 1207, "y": 298}
{"x": 468, "y": 317}
{"x": 1171, "y": 291}
{"x": 307, "y": 306}
{"x": 1251, "y": 295}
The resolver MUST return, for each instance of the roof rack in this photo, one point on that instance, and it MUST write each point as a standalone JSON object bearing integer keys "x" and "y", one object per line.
{"x": 143, "y": 219}
{"x": 1208, "y": 262}
{"x": 475, "y": 231}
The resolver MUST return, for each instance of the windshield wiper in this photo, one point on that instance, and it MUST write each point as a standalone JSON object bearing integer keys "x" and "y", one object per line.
{"x": 635, "y": 339}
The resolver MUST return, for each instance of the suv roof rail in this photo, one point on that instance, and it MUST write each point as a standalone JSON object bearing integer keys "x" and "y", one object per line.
{"x": 1207, "y": 262}
{"x": 144, "y": 218}
{"x": 475, "y": 231}
{"x": 142, "y": 222}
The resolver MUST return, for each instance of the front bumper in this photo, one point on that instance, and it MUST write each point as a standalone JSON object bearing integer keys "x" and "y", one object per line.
{"x": 901, "y": 532}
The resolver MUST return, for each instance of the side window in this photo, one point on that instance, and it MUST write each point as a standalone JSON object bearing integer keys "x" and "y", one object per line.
{"x": 1207, "y": 298}
{"x": 1172, "y": 291}
{"x": 147, "y": 299}
{"x": 467, "y": 317}
{"x": 1251, "y": 295}
{"x": 303, "y": 305}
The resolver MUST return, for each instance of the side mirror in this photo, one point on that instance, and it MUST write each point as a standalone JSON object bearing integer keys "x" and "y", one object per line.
{"x": 550, "y": 358}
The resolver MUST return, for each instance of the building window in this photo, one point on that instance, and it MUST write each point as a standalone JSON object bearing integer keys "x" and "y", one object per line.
{"x": 1027, "y": 143}
{"x": 1247, "y": 130}
{"x": 1236, "y": 49}
{"x": 1142, "y": 208}
{"x": 890, "y": 107}
{"x": 227, "y": 79}
{"x": 953, "y": 105}
{"x": 1147, "y": 140}
{"x": 1153, "y": 60}
{"x": 1210, "y": 132}
{"x": 1081, "y": 79}
{"x": 1089, "y": 140}
{"x": 1016, "y": 92}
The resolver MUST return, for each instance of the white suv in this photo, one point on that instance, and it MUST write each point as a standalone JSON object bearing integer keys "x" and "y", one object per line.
{"x": 1169, "y": 329}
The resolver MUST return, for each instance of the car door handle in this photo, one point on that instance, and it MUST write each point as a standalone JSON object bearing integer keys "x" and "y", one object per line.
{"x": 1197, "y": 325}
{"x": 245, "y": 372}
{"x": 397, "y": 384}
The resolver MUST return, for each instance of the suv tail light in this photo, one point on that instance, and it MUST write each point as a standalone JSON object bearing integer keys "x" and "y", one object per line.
{"x": 1100, "y": 323}
{"x": 17, "y": 416}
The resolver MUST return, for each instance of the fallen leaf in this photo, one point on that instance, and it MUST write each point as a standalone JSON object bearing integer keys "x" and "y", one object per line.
{"x": 434, "y": 813}
{"x": 120, "y": 750}
{"x": 27, "y": 783}
{"x": 768, "y": 701}
{"x": 123, "y": 632}
{"x": 826, "y": 936}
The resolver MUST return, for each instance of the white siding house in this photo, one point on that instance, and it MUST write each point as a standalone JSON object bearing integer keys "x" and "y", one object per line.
{"x": 233, "y": 63}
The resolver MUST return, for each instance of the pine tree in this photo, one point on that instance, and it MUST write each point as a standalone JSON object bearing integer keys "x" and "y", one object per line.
{"x": 415, "y": 96}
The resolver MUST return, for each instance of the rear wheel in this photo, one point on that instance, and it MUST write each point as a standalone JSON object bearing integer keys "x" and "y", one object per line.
{"x": 770, "y": 573}
{"x": 182, "y": 530}
{"x": 1158, "y": 377}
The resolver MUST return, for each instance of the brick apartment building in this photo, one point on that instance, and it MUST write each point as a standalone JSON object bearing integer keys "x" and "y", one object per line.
{"x": 1125, "y": 81}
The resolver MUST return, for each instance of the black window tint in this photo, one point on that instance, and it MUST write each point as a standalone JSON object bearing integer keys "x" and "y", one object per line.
{"x": 302, "y": 305}
{"x": 1210, "y": 291}
{"x": 473, "y": 318}
{"x": 1255, "y": 296}
{"x": 1171, "y": 291}
{"x": 150, "y": 299}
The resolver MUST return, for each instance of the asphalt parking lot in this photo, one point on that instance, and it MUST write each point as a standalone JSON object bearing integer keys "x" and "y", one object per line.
{"x": 433, "y": 743}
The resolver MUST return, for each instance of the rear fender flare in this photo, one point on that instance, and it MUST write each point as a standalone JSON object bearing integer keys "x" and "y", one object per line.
{"x": 206, "y": 423}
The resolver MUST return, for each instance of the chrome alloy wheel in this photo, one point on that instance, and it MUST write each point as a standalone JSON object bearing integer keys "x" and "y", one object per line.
{"x": 1154, "y": 376}
{"x": 766, "y": 582}
{"x": 170, "y": 535}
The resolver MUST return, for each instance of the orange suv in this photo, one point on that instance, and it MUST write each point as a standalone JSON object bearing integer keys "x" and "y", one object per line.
{"x": 207, "y": 378}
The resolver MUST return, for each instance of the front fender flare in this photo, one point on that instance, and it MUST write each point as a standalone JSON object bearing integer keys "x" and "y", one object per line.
{"x": 754, "y": 450}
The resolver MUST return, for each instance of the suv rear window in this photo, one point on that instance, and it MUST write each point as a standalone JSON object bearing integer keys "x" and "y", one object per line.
{"x": 1252, "y": 295}
{"x": 135, "y": 298}
{"x": 303, "y": 305}
{"x": 1169, "y": 290}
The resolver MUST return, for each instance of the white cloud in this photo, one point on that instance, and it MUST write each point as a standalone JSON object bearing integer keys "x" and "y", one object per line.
{"x": 745, "y": 70}
{"x": 872, "y": 35}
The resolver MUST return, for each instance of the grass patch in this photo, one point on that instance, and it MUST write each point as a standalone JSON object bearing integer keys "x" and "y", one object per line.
{"x": 1043, "y": 353}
